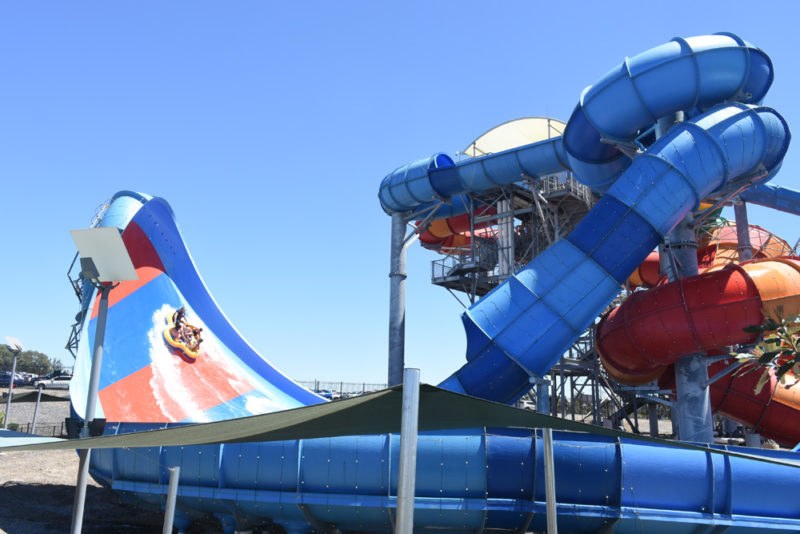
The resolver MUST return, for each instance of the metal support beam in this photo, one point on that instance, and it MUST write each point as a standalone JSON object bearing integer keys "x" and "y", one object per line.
{"x": 172, "y": 496}
{"x": 407, "y": 470}
{"x": 36, "y": 408}
{"x": 397, "y": 301}
{"x": 505, "y": 237}
{"x": 542, "y": 394}
{"x": 693, "y": 404}
{"x": 652, "y": 413}
{"x": 91, "y": 402}
{"x": 10, "y": 389}
{"x": 550, "y": 481}
{"x": 745, "y": 248}
{"x": 695, "y": 421}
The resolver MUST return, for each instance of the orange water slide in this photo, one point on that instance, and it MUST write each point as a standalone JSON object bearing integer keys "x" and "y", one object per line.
{"x": 707, "y": 313}
{"x": 718, "y": 245}
{"x": 452, "y": 232}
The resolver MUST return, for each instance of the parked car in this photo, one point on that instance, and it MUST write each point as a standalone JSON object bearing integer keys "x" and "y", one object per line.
{"x": 58, "y": 382}
{"x": 5, "y": 379}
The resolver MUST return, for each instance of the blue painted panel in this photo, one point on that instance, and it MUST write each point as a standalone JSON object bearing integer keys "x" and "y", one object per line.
{"x": 492, "y": 375}
{"x": 677, "y": 481}
{"x": 502, "y": 306}
{"x": 547, "y": 350}
{"x": 602, "y": 107}
{"x": 446, "y": 181}
{"x": 451, "y": 466}
{"x": 753, "y": 496}
{"x": 519, "y": 336}
{"x": 729, "y": 66}
{"x": 657, "y": 192}
{"x": 759, "y": 77}
{"x": 775, "y": 197}
{"x": 139, "y": 464}
{"x": 546, "y": 157}
{"x": 608, "y": 230}
{"x": 409, "y": 185}
{"x": 583, "y": 474}
{"x": 582, "y": 294}
{"x": 583, "y": 141}
{"x": 510, "y": 473}
{"x": 121, "y": 211}
{"x": 548, "y": 268}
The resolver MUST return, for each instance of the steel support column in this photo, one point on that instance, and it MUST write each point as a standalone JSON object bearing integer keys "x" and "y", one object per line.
{"x": 397, "y": 301}
{"x": 407, "y": 470}
{"x": 695, "y": 421}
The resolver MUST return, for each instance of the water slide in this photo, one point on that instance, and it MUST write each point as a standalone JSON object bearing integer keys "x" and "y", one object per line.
{"x": 482, "y": 478}
{"x": 706, "y": 314}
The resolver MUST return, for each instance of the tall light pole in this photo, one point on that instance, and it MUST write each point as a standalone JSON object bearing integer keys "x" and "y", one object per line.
{"x": 104, "y": 263}
{"x": 16, "y": 347}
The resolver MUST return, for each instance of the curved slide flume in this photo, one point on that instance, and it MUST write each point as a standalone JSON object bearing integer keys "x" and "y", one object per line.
{"x": 523, "y": 326}
{"x": 149, "y": 382}
{"x": 706, "y": 314}
{"x": 475, "y": 479}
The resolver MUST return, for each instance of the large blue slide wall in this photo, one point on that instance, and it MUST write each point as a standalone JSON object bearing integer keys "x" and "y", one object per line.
{"x": 477, "y": 479}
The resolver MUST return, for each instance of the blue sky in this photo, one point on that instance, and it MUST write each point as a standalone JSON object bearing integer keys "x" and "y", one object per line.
{"x": 268, "y": 127}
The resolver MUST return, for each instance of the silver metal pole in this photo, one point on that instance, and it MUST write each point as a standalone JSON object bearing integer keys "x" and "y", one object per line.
{"x": 172, "y": 495}
{"x": 80, "y": 491}
{"x": 550, "y": 481}
{"x": 36, "y": 409}
{"x": 97, "y": 360}
{"x": 10, "y": 389}
{"x": 693, "y": 404}
{"x": 652, "y": 413}
{"x": 695, "y": 420}
{"x": 542, "y": 394}
{"x": 745, "y": 248}
{"x": 397, "y": 301}
{"x": 91, "y": 400}
{"x": 407, "y": 471}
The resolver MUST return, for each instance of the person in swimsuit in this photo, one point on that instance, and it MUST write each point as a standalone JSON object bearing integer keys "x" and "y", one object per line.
{"x": 178, "y": 330}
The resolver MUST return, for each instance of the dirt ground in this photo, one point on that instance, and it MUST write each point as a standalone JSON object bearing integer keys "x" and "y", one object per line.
{"x": 37, "y": 489}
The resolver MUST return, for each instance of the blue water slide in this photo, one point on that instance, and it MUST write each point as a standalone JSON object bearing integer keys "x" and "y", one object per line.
{"x": 775, "y": 197}
{"x": 417, "y": 184}
{"x": 472, "y": 480}
{"x": 466, "y": 481}
{"x": 523, "y": 326}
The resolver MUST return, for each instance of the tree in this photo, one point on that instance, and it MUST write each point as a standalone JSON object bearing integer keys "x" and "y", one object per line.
{"x": 28, "y": 361}
{"x": 778, "y": 352}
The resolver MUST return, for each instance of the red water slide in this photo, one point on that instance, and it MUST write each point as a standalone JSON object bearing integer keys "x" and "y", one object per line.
{"x": 707, "y": 313}
{"x": 453, "y": 232}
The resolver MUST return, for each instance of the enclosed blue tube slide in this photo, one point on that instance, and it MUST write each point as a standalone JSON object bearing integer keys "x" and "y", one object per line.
{"x": 475, "y": 479}
{"x": 524, "y": 325}
{"x": 775, "y": 197}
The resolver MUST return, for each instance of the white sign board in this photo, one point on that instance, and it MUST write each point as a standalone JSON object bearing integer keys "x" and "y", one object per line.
{"x": 105, "y": 247}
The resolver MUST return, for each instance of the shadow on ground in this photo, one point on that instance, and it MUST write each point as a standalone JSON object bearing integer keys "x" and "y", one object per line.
{"x": 47, "y": 508}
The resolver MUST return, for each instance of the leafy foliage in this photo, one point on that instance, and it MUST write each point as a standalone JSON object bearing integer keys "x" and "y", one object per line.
{"x": 28, "y": 361}
{"x": 778, "y": 352}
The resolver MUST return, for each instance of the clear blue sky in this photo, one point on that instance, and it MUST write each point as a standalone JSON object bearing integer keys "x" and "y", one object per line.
{"x": 268, "y": 127}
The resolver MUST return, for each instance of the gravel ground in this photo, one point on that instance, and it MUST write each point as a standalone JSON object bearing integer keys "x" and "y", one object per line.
{"x": 37, "y": 489}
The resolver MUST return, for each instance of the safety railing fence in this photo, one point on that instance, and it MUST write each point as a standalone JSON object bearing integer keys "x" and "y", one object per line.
{"x": 337, "y": 390}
